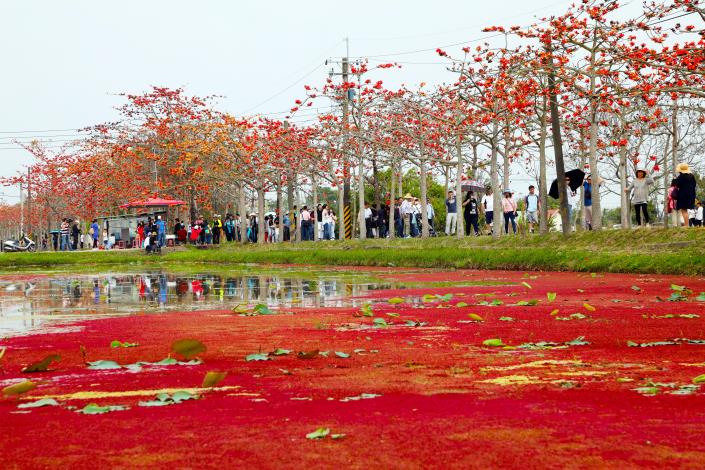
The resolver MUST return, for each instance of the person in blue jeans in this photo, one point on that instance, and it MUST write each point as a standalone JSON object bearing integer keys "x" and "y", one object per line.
{"x": 94, "y": 234}
{"x": 161, "y": 231}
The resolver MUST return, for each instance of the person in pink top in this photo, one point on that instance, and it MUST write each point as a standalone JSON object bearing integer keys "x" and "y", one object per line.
{"x": 509, "y": 207}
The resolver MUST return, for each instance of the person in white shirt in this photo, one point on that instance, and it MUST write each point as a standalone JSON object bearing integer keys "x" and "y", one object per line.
{"x": 430, "y": 213}
{"x": 699, "y": 215}
{"x": 487, "y": 204}
{"x": 692, "y": 213}
{"x": 406, "y": 210}
{"x": 369, "y": 230}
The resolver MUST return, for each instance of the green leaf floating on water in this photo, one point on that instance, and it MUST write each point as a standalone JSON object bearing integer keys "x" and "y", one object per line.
{"x": 213, "y": 378}
{"x": 342, "y": 355}
{"x": 257, "y": 357}
{"x": 395, "y": 300}
{"x": 701, "y": 297}
{"x": 475, "y": 317}
{"x": 493, "y": 342}
{"x": 164, "y": 399}
{"x": 104, "y": 365}
{"x": 506, "y": 319}
{"x": 319, "y": 433}
{"x": 700, "y": 379}
{"x": 188, "y": 347}
{"x": 366, "y": 310}
{"x": 281, "y": 352}
{"x": 461, "y": 304}
{"x": 380, "y": 322}
{"x": 526, "y": 284}
{"x": 551, "y": 296}
{"x": 42, "y": 365}
{"x": 262, "y": 309}
{"x": 39, "y": 403}
{"x": 120, "y": 344}
{"x": 95, "y": 409}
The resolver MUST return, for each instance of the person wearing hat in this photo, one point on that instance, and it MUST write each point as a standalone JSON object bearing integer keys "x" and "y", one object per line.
{"x": 509, "y": 207}
{"x": 640, "y": 195}
{"x": 406, "y": 210}
{"x": 685, "y": 191}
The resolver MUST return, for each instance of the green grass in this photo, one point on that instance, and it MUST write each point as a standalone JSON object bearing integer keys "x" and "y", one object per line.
{"x": 676, "y": 251}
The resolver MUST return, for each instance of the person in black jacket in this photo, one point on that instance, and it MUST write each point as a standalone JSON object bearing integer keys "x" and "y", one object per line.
{"x": 470, "y": 214}
{"x": 685, "y": 186}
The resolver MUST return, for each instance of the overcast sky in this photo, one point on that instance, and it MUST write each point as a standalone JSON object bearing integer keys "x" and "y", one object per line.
{"x": 64, "y": 61}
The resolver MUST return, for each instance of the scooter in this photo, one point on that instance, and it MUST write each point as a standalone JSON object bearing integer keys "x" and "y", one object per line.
{"x": 27, "y": 244}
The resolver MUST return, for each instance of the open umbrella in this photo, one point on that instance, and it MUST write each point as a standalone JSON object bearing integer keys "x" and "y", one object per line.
{"x": 472, "y": 185}
{"x": 576, "y": 180}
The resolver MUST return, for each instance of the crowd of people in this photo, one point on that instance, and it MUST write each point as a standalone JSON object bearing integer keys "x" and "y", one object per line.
{"x": 321, "y": 222}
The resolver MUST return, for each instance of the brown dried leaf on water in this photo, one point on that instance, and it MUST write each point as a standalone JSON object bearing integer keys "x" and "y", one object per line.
{"x": 188, "y": 347}
{"x": 19, "y": 388}
{"x": 2, "y": 352}
{"x": 213, "y": 378}
{"x": 42, "y": 365}
{"x": 307, "y": 354}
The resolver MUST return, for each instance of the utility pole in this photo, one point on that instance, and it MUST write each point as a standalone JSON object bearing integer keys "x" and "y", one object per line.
{"x": 344, "y": 73}
{"x": 29, "y": 201}
{"x": 21, "y": 212}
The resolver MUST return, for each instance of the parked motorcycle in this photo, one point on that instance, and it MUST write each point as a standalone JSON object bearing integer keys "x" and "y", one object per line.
{"x": 26, "y": 244}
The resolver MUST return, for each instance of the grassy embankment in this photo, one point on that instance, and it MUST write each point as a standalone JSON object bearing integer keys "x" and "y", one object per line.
{"x": 676, "y": 251}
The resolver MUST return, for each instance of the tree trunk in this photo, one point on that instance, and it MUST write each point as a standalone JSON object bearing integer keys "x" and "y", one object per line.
{"x": 280, "y": 214}
{"x": 496, "y": 192}
{"x": 460, "y": 231}
{"x": 422, "y": 187}
{"x": 375, "y": 183}
{"x": 507, "y": 149}
{"x": 558, "y": 145}
{"x": 314, "y": 217}
{"x": 341, "y": 212}
{"x": 391, "y": 202}
{"x": 243, "y": 212}
{"x": 624, "y": 217}
{"x": 361, "y": 199}
{"x": 543, "y": 179}
{"x": 262, "y": 227}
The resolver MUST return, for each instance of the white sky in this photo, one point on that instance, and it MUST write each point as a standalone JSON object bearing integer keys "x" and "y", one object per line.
{"x": 64, "y": 61}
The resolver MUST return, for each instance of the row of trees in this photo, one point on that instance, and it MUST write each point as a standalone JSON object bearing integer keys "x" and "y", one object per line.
{"x": 586, "y": 89}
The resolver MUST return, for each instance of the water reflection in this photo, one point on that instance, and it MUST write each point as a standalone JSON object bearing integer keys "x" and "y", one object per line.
{"x": 25, "y": 305}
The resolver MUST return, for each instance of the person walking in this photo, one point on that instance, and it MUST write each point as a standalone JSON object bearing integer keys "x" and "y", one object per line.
{"x": 488, "y": 208}
{"x": 406, "y": 210}
{"x": 509, "y": 207}
{"x": 470, "y": 214}
{"x": 431, "y": 216}
{"x": 685, "y": 191}
{"x": 639, "y": 190}
{"x": 75, "y": 235}
{"x": 533, "y": 205}
{"x": 217, "y": 229}
{"x": 451, "y": 213}
{"x": 93, "y": 232}
{"x": 587, "y": 202}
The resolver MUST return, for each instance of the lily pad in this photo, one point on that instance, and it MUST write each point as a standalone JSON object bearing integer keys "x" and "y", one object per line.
{"x": 281, "y": 352}
{"x": 120, "y": 344}
{"x": 95, "y": 409}
{"x": 319, "y": 433}
{"x": 39, "y": 403}
{"x": 257, "y": 357}
{"x": 103, "y": 365}
{"x": 551, "y": 296}
{"x": 262, "y": 309}
{"x": 493, "y": 342}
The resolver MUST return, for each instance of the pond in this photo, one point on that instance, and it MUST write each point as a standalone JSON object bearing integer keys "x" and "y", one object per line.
{"x": 30, "y": 303}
